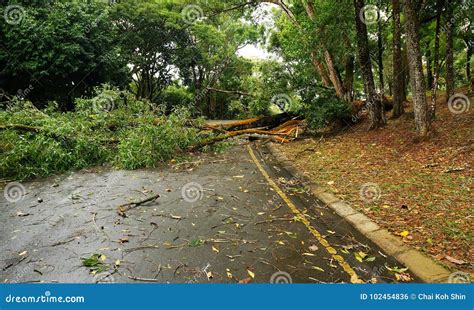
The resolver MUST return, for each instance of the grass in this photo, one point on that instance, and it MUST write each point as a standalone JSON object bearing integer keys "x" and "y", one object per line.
{"x": 417, "y": 194}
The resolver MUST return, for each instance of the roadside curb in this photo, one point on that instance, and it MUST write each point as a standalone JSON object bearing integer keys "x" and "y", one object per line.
{"x": 425, "y": 268}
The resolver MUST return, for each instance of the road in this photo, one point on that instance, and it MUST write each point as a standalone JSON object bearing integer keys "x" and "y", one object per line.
{"x": 227, "y": 218}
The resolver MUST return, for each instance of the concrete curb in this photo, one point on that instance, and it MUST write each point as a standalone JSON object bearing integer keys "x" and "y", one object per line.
{"x": 425, "y": 268}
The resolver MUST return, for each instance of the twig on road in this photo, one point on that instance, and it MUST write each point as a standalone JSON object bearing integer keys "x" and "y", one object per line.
{"x": 129, "y": 206}
{"x": 142, "y": 279}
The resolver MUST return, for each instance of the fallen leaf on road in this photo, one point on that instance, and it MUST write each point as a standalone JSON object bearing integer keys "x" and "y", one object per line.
{"x": 318, "y": 268}
{"x": 215, "y": 249}
{"x": 245, "y": 281}
{"x": 308, "y": 254}
{"x": 313, "y": 248}
{"x": 404, "y": 277}
{"x": 229, "y": 274}
{"x": 21, "y": 214}
{"x": 23, "y": 253}
{"x": 251, "y": 274}
{"x": 360, "y": 256}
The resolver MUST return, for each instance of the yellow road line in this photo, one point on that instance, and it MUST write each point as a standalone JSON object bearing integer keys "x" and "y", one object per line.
{"x": 302, "y": 218}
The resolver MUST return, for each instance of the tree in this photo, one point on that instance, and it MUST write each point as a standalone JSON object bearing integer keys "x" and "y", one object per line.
{"x": 63, "y": 50}
{"x": 434, "y": 88}
{"x": 153, "y": 41}
{"x": 398, "y": 72}
{"x": 376, "y": 112}
{"x": 417, "y": 81}
{"x": 449, "y": 50}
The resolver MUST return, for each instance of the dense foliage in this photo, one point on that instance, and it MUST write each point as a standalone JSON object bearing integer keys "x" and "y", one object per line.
{"x": 105, "y": 80}
{"x": 128, "y": 136}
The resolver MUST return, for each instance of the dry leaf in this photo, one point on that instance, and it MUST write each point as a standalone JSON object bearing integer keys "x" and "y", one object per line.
{"x": 318, "y": 268}
{"x": 229, "y": 275}
{"x": 251, "y": 274}
{"x": 455, "y": 260}
{"x": 215, "y": 249}
{"x": 313, "y": 248}
{"x": 245, "y": 281}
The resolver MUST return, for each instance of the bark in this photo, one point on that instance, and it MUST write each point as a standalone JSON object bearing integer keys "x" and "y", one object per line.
{"x": 333, "y": 74}
{"x": 422, "y": 120}
{"x": 429, "y": 72}
{"x": 376, "y": 113}
{"x": 434, "y": 84}
{"x": 398, "y": 71}
{"x": 321, "y": 70}
{"x": 349, "y": 78}
{"x": 406, "y": 73}
{"x": 380, "y": 56}
{"x": 257, "y": 122}
{"x": 449, "y": 52}
{"x": 468, "y": 63}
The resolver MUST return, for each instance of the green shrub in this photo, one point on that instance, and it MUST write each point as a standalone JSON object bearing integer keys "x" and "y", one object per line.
{"x": 176, "y": 96}
{"x": 148, "y": 144}
{"x": 324, "y": 108}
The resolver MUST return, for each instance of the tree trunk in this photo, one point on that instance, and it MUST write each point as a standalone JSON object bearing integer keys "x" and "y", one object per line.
{"x": 429, "y": 72}
{"x": 380, "y": 57}
{"x": 321, "y": 70}
{"x": 422, "y": 121}
{"x": 468, "y": 63}
{"x": 434, "y": 87}
{"x": 398, "y": 71}
{"x": 333, "y": 74}
{"x": 406, "y": 73}
{"x": 376, "y": 113}
{"x": 349, "y": 78}
{"x": 449, "y": 52}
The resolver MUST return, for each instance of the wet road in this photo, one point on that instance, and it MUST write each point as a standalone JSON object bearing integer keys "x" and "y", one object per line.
{"x": 228, "y": 218}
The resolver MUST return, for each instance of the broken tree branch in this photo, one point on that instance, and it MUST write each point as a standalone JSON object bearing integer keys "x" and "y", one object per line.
{"x": 131, "y": 205}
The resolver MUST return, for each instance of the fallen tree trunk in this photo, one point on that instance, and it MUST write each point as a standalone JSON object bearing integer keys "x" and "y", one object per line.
{"x": 283, "y": 133}
{"x": 265, "y": 121}
{"x": 275, "y": 136}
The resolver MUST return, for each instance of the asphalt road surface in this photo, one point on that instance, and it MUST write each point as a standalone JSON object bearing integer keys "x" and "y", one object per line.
{"x": 227, "y": 218}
